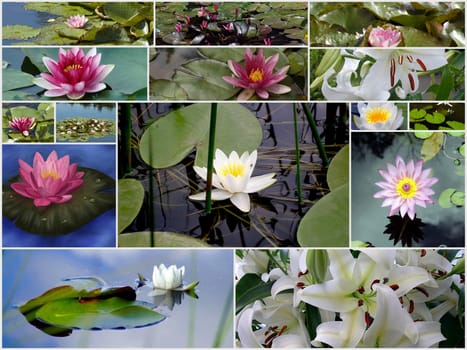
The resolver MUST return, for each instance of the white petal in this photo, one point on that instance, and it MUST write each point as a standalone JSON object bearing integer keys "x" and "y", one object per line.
{"x": 258, "y": 183}
{"x": 241, "y": 201}
{"x": 216, "y": 195}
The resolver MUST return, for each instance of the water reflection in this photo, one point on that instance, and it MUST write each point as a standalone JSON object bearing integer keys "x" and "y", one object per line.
{"x": 439, "y": 225}
{"x": 193, "y": 323}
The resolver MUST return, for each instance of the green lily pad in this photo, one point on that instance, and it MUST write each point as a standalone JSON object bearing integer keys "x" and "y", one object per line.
{"x": 130, "y": 201}
{"x": 432, "y": 145}
{"x": 420, "y": 133}
{"x": 338, "y": 172}
{"x": 456, "y": 125}
{"x": 326, "y": 224}
{"x": 23, "y": 111}
{"x": 435, "y": 118}
{"x": 91, "y": 199}
{"x": 462, "y": 149}
{"x": 161, "y": 239}
{"x": 15, "y": 79}
{"x": 60, "y": 9}
{"x": 162, "y": 90}
{"x": 458, "y": 198}
{"x": 451, "y": 197}
{"x": 172, "y": 137}
{"x": 19, "y": 32}
{"x": 417, "y": 114}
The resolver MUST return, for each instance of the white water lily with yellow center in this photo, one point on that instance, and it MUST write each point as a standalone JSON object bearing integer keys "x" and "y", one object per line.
{"x": 233, "y": 179}
{"x": 378, "y": 116}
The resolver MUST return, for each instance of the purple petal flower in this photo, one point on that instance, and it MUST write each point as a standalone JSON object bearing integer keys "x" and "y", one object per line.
{"x": 404, "y": 186}
{"x": 78, "y": 21}
{"x": 48, "y": 181}
{"x": 384, "y": 37}
{"x": 257, "y": 75}
{"x": 22, "y": 124}
{"x": 74, "y": 74}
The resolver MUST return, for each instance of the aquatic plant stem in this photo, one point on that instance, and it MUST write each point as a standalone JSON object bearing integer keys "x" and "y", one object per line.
{"x": 297, "y": 156}
{"x": 125, "y": 159}
{"x": 212, "y": 140}
{"x": 314, "y": 131}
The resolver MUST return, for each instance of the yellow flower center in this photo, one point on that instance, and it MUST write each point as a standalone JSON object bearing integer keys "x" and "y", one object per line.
{"x": 256, "y": 75}
{"x": 406, "y": 188}
{"x": 50, "y": 173}
{"x": 377, "y": 115}
{"x": 74, "y": 66}
{"x": 233, "y": 168}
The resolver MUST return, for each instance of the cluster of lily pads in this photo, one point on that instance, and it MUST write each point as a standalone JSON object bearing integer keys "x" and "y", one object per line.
{"x": 441, "y": 116}
{"x": 81, "y": 129}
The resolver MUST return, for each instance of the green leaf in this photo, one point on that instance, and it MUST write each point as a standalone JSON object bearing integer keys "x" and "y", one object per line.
{"x": 432, "y": 145}
{"x": 446, "y": 85}
{"x": 417, "y": 114}
{"x": 326, "y": 224}
{"x": 338, "y": 172}
{"x": 90, "y": 200}
{"x": 456, "y": 125}
{"x": 346, "y": 17}
{"x": 249, "y": 289}
{"x": 435, "y": 118}
{"x": 161, "y": 239}
{"x": 130, "y": 201}
{"x": 422, "y": 134}
{"x": 458, "y": 199}
{"x": 166, "y": 90}
{"x": 125, "y": 13}
{"x": 444, "y": 199}
{"x": 23, "y": 111}
{"x": 202, "y": 80}
{"x": 317, "y": 262}
{"x": 19, "y": 32}
{"x": 234, "y": 54}
{"x": 172, "y": 137}
{"x": 15, "y": 79}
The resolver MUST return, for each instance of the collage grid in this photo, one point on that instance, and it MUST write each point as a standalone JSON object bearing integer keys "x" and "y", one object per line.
{"x": 332, "y": 135}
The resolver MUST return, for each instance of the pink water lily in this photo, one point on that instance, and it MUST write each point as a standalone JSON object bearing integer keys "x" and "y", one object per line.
{"x": 22, "y": 124}
{"x": 405, "y": 186}
{"x": 48, "y": 181}
{"x": 257, "y": 75}
{"x": 78, "y": 21}
{"x": 384, "y": 37}
{"x": 75, "y": 73}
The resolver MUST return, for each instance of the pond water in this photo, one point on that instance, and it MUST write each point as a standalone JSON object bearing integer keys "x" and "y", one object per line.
{"x": 193, "y": 323}
{"x": 370, "y": 152}
{"x": 98, "y": 111}
{"x": 14, "y": 13}
{"x": 100, "y": 232}
{"x": 275, "y": 212}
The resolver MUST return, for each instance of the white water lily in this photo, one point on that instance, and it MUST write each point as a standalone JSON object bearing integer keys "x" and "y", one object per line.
{"x": 394, "y": 65}
{"x": 233, "y": 180}
{"x": 166, "y": 278}
{"x": 378, "y": 116}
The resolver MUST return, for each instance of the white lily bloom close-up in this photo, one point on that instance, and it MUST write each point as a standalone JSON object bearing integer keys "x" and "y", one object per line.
{"x": 394, "y": 65}
{"x": 232, "y": 179}
{"x": 166, "y": 278}
{"x": 253, "y": 261}
{"x": 378, "y": 116}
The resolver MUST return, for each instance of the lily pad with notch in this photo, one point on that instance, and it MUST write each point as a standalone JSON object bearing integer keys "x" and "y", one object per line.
{"x": 94, "y": 197}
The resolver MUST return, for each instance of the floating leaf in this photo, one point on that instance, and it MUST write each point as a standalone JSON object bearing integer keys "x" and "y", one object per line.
{"x": 338, "y": 172}
{"x": 130, "y": 201}
{"x": 458, "y": 198}
{"x": 435, "y": 118}
{"x": 451, "y": 197}
{"x": 91, "y": 199}
{"x": 19, "y": 32}
{"x": 422, "y": 134}
{"x": 432, "y": 145}
{"x": 166, "y": 90}
{"x": 15, "y": 79}
{"x": 456, "y": 125}
{"x": 462, "y": 149}
{"x": 417, "y": 114}
{"x": 160, "y": 239}
{"x": 326, "y": 224}
{"x": 172, "y": 137}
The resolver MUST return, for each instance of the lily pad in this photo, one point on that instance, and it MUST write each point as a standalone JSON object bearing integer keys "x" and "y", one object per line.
{"x": 456, "y": 125}
{"x": 15, "y": 79}
{"x": 172, "y": 137}
{"x": 162, "y": 89}
{"x": 161, "y": 239}
{"x": 420, "y": 133}
{"x": 451, "y": 197}
{"x": 417, "y": 114}
{"x": 91, "y": 199}
{"x": 16, "y": 32}
{"x": 435, "y": 118}
{"x": 338, "y": 172}
{"x": 326, "y": 224}
{"x": 130, "y": 201}
{"x": 432, "y": 145}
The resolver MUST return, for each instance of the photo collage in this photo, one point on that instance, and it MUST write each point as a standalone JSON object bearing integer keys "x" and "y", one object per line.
{"x": 233, "y": 174}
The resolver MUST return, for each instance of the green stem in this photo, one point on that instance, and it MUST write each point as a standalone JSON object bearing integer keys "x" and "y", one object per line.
{"x": 314, "y": 131}
{"x": 152, "y": 214}
{"x": 125, "y": 130}
{"x": 212, "y": 139}
{"x": 297, "y": 156}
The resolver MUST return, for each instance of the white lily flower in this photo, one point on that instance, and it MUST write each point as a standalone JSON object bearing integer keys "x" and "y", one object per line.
{"x": 378, "y": 116}
{"x": 253, "y": 261}
{"x": 394, "y": 65}
{"x": 283, "y": 324}
{"x": 166, "y": 278}
{"x": 233, "y": 180}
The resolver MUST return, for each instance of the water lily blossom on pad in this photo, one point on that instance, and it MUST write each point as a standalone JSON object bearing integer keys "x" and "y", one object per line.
{"x": 78, "y": 21}
{"x": 405, "y": 186}
{"x": 378, "y": 116}
{"x": 233, "y": 180}
{"x": 384, "y": 37}
{"x": 22, "y": 124}
{"x": 75, "y": 73}
{"x": 257, "y": 76}
{"x": 48, "y": 181}
{"x": 167, "y": 278}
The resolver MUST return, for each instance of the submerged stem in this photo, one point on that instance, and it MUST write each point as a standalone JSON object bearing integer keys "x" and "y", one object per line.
{"x": 212, "y": 137}
{"x": 297, "y": 156}
{"x": 314, "y": 131}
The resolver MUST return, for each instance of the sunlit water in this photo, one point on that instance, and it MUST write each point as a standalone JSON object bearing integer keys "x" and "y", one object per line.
{"x": 193, "y": 323}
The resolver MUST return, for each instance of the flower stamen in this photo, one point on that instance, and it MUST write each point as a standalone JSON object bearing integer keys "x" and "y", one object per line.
{"x": 256, "y": 75}
{"x": 74, "y": 66}
{"x": 406, "y": 188}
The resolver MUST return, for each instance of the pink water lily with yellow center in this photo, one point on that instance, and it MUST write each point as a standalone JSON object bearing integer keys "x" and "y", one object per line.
{"x": 22, "y": 124}
{"x": 257, "y": 76}
{"x": 78, "y": 21}
{"x": 405, "y": 186}
{"x": 74, "y": 74}
{"x": 48, "y": 181}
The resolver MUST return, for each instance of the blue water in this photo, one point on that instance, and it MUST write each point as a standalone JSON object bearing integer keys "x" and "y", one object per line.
{"x": 98, "y": 233}
{"x": 371, "y": 152}
{"x": 88, "y": 110}
{"x": 193, "y": 323}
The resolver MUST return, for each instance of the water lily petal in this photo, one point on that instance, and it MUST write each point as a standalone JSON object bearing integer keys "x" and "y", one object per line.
{"x": 258, "y": 183}
{"x": 241, "y": 201}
